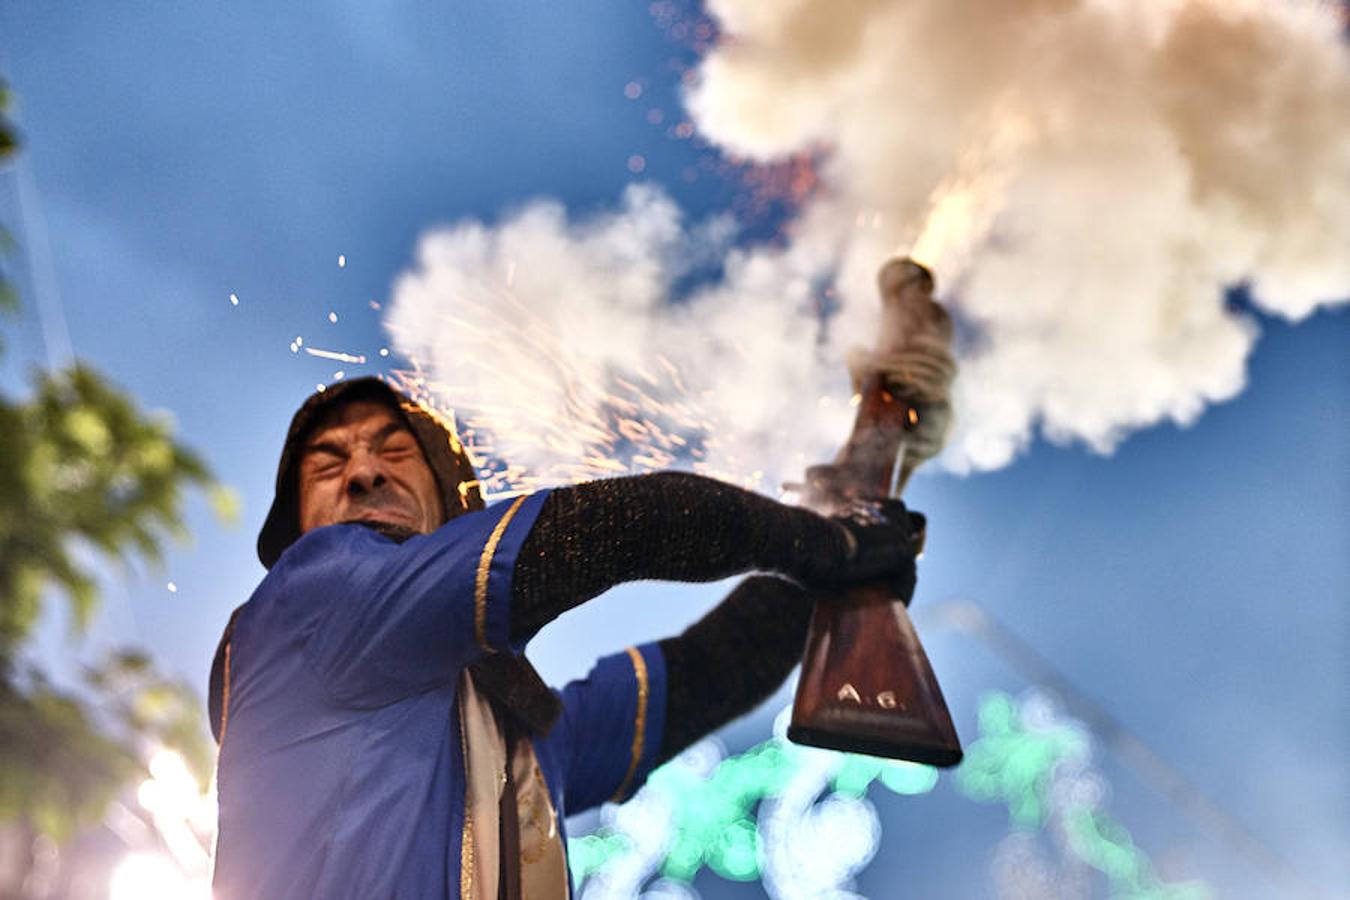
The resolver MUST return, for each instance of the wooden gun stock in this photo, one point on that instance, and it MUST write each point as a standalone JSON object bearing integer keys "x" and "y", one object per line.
{"x": 867, "y": 686}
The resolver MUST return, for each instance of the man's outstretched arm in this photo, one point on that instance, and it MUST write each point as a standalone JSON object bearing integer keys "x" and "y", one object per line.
{"x": 681, "y": 527}
{"x": 733, "y": 659}
{"x": 639, "y": 708}
{"x": 670, "y": 526}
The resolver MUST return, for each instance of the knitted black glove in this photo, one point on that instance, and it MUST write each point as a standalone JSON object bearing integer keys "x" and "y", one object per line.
{"x": 884, "y": 538}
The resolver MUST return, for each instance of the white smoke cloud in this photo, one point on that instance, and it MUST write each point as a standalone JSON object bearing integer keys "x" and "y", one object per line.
{"x": 538, "y": 329}
{"x": 1085, "y": 177}
{"x": 1088, "y": 175}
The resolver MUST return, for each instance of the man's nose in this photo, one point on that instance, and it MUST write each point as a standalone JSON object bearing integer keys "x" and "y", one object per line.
{"x": 364, "y": 474}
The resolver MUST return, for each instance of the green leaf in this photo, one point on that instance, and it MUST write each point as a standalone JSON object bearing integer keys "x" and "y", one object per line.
{"x": 85, "y": 473}
{"x": 226, "y": 504}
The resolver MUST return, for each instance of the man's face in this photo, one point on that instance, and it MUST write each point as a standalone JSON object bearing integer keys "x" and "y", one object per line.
{"x": 360, "y": 463}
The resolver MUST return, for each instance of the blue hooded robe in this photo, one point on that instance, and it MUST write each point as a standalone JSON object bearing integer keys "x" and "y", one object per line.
{"x": 341, "y": 770}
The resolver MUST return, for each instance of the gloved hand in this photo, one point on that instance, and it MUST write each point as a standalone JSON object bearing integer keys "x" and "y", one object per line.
{"x": 884, "y": 538}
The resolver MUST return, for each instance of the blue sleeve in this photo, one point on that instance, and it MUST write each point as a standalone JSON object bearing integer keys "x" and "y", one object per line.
{"x": 383, "y": 620}
{"x": 612, "y": 725}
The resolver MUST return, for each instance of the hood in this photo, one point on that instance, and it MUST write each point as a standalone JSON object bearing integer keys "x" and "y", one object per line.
{"x": 449, "y": 461}
{"x": 507, "y": 678}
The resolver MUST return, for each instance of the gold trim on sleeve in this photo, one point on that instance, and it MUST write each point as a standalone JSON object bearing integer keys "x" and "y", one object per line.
{"x": 480, "y": 596}
{"x": 466, "y": 835}
{"x": 639, "y": 722}
{"x": 225, "y": 695}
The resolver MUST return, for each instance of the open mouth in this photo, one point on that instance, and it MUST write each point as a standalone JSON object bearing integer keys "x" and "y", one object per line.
{"x": 385, "y": 517}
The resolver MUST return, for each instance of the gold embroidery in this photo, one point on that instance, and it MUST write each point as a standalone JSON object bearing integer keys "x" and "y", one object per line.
{"x": 640, "y": 721}
{"x": 225, "y": 695}
{"x": 466, "y": 837}
{"x": 543, "y": 864}
{"x": 484, "y": 565}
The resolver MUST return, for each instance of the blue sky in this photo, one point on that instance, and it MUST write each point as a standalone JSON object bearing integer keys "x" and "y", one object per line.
{"x": 1194, "y": 583}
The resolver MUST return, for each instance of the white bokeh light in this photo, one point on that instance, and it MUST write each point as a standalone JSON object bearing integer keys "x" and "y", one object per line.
{"x": 150, "y": 876}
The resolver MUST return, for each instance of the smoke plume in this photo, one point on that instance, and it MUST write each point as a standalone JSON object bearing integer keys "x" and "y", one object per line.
{"x": 1085, "y": 177}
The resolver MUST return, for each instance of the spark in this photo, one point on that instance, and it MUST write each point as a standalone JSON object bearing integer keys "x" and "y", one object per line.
{"x": 559, "y": 417}
{"x": 342, "y": 261}
{"x": 332, "y": 317}
{"x": 384, "y": 351}
{"x": 338, "y": 356}
{"x": 173, "y": 588}
{"x": 234, "y": 299}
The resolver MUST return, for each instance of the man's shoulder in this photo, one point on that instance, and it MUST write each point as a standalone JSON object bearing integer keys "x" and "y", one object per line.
{"x": 310, "y": 574}
{"x": 325, "y": 546}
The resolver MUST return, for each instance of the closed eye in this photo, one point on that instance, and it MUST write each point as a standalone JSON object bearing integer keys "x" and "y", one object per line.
{"x": 399, "y": 445}
{"x": 324, "y": 466}
{"x": 324, "y": 458}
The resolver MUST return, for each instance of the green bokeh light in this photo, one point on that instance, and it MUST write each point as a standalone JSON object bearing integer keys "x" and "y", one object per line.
{"x": 713, "y": 820}
{"x": 591, "y": 853}
{"x": 735, "y": 856}
{"x": 714, "y": 817}
{"x": 1014, "y": 763}
{"x": 909, "y": 778}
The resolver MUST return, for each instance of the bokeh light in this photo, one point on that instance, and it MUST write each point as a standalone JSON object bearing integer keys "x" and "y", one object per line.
{"x": 150, "y": 876}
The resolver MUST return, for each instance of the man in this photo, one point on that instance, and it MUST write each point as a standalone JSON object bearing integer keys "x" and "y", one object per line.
{"x": 380, "y": 734}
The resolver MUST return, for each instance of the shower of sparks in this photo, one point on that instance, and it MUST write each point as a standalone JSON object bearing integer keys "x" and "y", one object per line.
{"x": 337, "y": 356}
{"x": 789, "y": 183}
{"x": 604, "y": 423}
{"x": 686, "y": 23}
